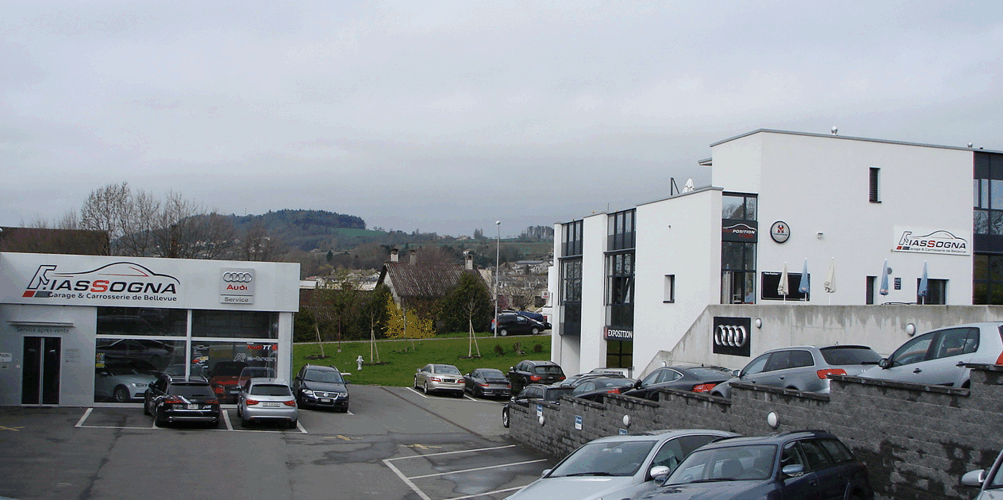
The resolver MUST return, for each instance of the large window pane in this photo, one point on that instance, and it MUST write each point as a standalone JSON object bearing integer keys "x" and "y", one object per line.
{"x": 996, "y": 195}
{"x": 750, "y": 208}
{"x": 123, "y": 367}
{"x": 732, "y": 207}
{"x": 981, "y": 222}
{"x": 235, "y": 324}
{"x": 995, "y": 222}
{"x": 223, "y": 362}
{"x": 139, "y": 321}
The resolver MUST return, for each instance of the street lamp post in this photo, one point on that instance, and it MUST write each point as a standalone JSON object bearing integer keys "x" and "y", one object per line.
{"x": 497, "y": 260}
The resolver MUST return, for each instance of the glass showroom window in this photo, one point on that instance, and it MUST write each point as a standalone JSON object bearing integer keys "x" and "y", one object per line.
{"x": 571, "y": 278}
{"x": 225, "y": 363}
{"x": 235, "y": 324}
{"x": 133, "y": 345}
{"x": 619, "y": 354}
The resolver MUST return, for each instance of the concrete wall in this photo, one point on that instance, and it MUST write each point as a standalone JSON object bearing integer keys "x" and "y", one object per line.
{"x": 883, "y": 328}
{"x": 916, "y": 441}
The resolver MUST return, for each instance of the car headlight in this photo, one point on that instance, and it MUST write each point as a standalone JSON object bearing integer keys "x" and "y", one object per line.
{"x": 307, "y": 392}
{"x": 138, "y": 384}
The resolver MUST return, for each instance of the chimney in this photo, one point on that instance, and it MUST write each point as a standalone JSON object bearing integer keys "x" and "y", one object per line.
{"x": 393, "y": 255}
{"x": 414, "y": 257}
{"x": 469, "y": 264}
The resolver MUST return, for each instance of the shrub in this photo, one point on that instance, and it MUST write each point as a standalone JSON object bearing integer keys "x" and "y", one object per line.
{"x": 538, "y": 348}
{"x": 499, "y": 350}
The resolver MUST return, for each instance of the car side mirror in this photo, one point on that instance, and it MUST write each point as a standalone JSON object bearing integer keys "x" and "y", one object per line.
{"x": 417, "y": 370}
{"x": 637, "y": 385}
{"x": 511, "y": 369}
{"x": 884, "y": 363}
{"x": 736, "y": 373}
{"x": 793, "y": 470}
{"x": 659, "y": 473}
{"x": 974, "y": 478}
{"x": 545, "y": 472}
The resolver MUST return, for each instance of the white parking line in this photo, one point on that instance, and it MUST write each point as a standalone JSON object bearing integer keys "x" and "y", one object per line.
{"x": 84, "y": 417}
{"x": 408, "y": 479}
{"x": 475, "y": 450}
{"x": 461, "y": 471}
{"x": 486, "y": 493}
{"x": 226, "y": 418}
{"x": 412, "y": 389}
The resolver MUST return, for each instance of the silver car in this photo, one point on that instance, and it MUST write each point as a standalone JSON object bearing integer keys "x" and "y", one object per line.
{"x": 802, "y": 368}
{"x": 439, "y": 378}
{"x": 267, "y": 399}
{"x": 990, "y": 483}
{"x": 939, "y": 357}
{"x": 123, "y": 381}
{"x": 618, "y": 466}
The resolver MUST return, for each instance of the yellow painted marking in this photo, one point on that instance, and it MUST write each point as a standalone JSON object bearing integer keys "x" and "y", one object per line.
{"x": 15, "y": 429}
{"x": 422, "y": 446}
{"x": 339, "y": 436}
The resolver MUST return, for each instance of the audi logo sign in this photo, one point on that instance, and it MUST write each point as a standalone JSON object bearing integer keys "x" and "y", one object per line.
{"x": 732, "y": 336}
{"x": 236, "y": 286}
{"x": 238, "y": 277}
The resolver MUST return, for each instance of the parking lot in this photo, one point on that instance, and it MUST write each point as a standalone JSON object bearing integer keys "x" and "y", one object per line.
{"x": 394, "y": 443}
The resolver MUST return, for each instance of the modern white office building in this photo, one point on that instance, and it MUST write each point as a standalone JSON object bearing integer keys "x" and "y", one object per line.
{"x": 79, "y": 329}
{"x": 629, "y": 285}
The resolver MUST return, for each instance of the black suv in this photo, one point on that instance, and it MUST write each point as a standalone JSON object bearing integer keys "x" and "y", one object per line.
{"x": 797, "y": 465}
{"x": 534, "y": 372}
{"x": 321, "y": 386}
{"x": 517, "y": 324}
{"x": 549, "y": 393}
{"x": 173, "y": 399}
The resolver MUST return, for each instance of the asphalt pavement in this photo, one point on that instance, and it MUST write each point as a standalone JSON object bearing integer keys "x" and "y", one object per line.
{"x": 394, "y": 443}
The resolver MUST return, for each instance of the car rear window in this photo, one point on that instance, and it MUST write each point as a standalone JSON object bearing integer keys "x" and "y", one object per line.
{"x": 492, "y": 373}
{"x": 270, "y": 390}
{"x": 850, "y": 355}
{"x": 548, "y": 370}
{"x": 710, "y": 373}
{"x": 553, "y": 394}
{"x": 192, "y": 390}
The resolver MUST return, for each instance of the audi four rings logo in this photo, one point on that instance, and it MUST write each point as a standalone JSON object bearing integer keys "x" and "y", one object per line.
{"x": 731, "y": 335}
{"x": 235, "y": 277}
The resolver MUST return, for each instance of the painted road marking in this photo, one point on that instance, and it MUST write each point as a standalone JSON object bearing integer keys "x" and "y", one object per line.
{"x": 408, "y": 479}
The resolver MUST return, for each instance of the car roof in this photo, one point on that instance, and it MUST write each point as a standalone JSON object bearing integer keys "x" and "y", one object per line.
{"x": 322, "y": 368}
{"x": 268, "y": 381}
{"x": 548, "y": 362}
{"x": 661, "y": 434}
{"x": 774, "y": 439}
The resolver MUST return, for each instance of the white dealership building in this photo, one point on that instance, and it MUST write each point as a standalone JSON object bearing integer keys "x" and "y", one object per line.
{"x": 79, "y": 329}
{"x": 632, "y": 287}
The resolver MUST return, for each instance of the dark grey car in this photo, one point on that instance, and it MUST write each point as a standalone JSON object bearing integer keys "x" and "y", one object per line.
{"x": 802, "y": 368}
{"x": 322, "y": 387}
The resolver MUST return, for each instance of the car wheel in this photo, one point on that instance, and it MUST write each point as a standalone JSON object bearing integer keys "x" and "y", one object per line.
{"x": 292, "y": 424}
{"x": 239, "y": 413}
{"x": 505, "y": 417}
{"x": 146, "y": 408}
{"x": 503, "y": 332}
{"x": 245, "y": 423}
{"x": 159, "y": 418}
{"x": 416, "y": 383}
{"x": 122, "y": 394}
{"x": 535, "y": 330}
{"x": 425, "y": 387}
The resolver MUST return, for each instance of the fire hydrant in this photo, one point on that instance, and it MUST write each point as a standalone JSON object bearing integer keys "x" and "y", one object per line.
{"x": 359, "y": 361}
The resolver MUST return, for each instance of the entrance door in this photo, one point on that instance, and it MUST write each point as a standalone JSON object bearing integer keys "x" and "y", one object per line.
{"x": 40, "y": 373}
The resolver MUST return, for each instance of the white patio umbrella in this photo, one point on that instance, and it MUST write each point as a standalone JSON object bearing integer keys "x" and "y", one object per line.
{"x": 883, "y": 290}
{"x": 782, "y": 288}
{"x": 805, "y": 286}
{"x": 830, "y": 279}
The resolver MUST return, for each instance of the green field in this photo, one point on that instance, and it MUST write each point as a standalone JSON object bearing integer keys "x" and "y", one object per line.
{"x": 400, "y": 365}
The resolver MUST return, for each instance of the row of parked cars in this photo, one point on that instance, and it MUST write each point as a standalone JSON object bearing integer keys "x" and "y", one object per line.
{"x": 176, "y": 398}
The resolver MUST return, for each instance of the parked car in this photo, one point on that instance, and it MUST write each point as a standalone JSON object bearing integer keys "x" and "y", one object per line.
{"x": 576, "y": 379}
{"x": 153, "y": 352}
{"x": 178, "y": 399}
{"x": 321, "y": 387}
{"x": 534, "y": 372}
{"x": 990, "y": 483}
{"x": 487, "y": 382}
{"x": 123, "y": 381}
{"x": 439, "y": 378}
{"x": 254, "y": 372}
{"x": 804, "y": 465}
{"x": 548, "y": 393}
{"x": 595, "y": 388}
{"x": 535, "y": 316}
{"x": 682, "y": 378}
{"x": 802, "y": 368}
{"x": 516, "y": 324}
{"x": 938, "y": 357}
{"x": 618, "y": 466}
{"x": 223, "y": 378}
{"x": 266, "y": 399}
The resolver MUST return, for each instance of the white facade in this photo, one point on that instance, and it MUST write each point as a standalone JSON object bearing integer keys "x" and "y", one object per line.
{"x": 209, "y": 309}
{"x": 820, "y": 187}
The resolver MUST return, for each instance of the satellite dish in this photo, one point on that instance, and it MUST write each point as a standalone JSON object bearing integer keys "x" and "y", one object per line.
{"x": 834, "y": 130}
{"x": 688, "y": 187}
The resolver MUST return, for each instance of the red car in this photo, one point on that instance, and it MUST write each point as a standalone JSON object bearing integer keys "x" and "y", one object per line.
{"x": 223, "y": 378}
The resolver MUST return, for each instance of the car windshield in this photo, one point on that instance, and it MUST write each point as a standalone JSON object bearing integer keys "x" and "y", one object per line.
{"x": 270, "y": 390}
{"x": 492, "y": 374}
{"x": 610, "y": 458}
{"x": 555, "y": 393}
{"x": 735, "y": 463}
{"x": 447, "y": 369}
{"x": 329, "y": 376}
{"x": 548, "y": 370}
{"x": 192, "y": 390}
{"x": 842, "y": 356}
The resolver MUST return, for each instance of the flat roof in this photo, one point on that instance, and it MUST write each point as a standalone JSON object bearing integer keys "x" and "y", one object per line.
{"x": 849, "y": 138}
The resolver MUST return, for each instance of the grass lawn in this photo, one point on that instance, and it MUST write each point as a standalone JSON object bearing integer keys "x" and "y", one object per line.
{"x": 400, "y": 365}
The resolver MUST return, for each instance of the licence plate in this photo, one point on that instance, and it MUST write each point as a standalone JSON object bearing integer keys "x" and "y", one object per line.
{"x": 193, "y": 407}
{"x": 325, "y": 400}
{"x": 270, "y": 405}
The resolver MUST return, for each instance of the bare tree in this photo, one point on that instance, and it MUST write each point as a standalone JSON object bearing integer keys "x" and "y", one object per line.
{"x": 140, "y": 226}
{"x": 105, "y": 210}
{"x": 69, "y": 220}
{"x": 258, "y": 245}
{"x": 186, "y": 231}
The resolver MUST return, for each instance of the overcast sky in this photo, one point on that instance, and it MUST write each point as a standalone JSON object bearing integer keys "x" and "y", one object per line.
{"x": 447, "y": 116}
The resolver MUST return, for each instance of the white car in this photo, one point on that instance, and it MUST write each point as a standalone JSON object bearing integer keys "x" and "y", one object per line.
{"x": 267, "y": 399}
{"x": 939, "y": 357}
{"x": 434, "y": 377}
{"x": 991, "y": 482}
{"x": 618, "y": 466}
{"x": 123, "y": 381}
